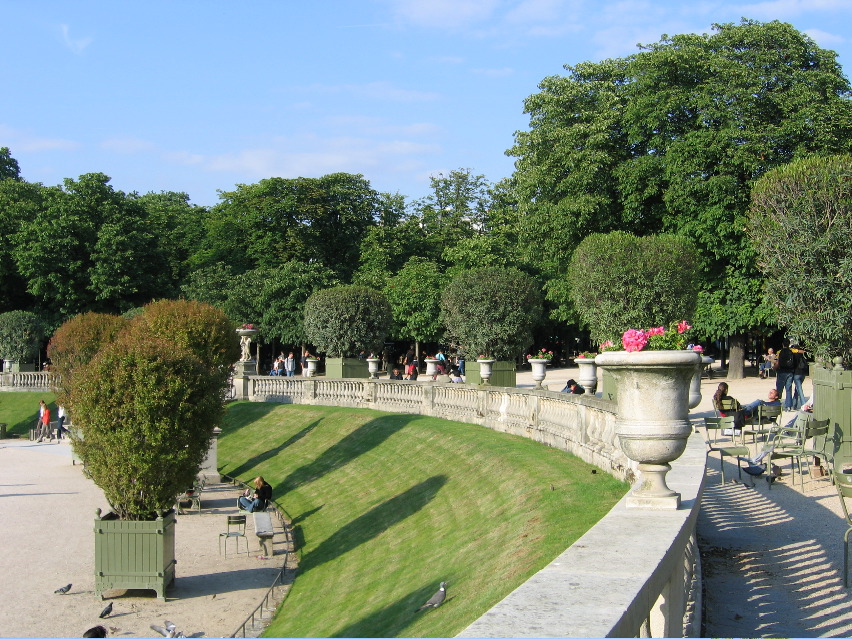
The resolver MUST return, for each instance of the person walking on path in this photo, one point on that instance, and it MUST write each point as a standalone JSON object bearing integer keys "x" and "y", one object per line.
{"x": 786, "y": 370}
{"x": 44, "y": 422}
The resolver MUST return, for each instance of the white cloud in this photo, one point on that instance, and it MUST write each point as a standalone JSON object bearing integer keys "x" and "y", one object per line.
{"x": 77, "y": 45}
{"x": 24, "y": 141}
{"x": 127, "y": 145}
{"x": 313, "y": 156}
{"x": 825, "y": 39}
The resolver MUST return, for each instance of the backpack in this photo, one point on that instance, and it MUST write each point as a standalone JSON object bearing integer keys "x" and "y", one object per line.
{"x": 786, "y": 360}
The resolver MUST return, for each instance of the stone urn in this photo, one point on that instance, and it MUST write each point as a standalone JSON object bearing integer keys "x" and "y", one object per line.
{"x": 695, "y": 385}
{"x": 652, "y": 423}
{"x": 373, "y": 367}
{"x": 312, "y": 366}
{"x": 485, "y": 370}
{"x": 588, "y": 375}
{"x": 539, "y": 370}
{"x": 431, "y": 367}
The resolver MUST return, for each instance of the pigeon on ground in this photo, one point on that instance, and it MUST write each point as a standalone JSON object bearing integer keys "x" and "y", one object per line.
{"x": 97, "y": 631}
{"x": 106, "y": 612}
{"x": 63, "y": 590}
{"x": 437, "y": 599}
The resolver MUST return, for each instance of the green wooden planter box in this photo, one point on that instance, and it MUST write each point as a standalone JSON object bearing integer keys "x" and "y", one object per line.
{"x": 833, "y": 400}
{"x": 503, "y": 374}
{"x": 339, "y": 368}
{"x": 138, "y": 555}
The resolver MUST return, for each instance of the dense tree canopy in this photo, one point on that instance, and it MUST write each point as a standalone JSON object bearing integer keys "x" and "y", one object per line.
{"x": 672, "y": 139}
{"x": 801, "y": 226}
{"x": 621, "y": 281}
{"x": 345, "y": 320}
{"x": 414, "y": 295}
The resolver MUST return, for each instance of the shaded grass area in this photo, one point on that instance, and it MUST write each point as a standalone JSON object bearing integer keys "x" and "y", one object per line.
{"x": 20, "y": 410}
{"x": 386, "y": 506}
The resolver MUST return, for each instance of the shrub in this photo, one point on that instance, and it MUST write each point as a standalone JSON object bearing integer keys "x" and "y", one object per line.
{"x": 344, "y": 320}
{"x": 492, "y": 312}
{"x": 20, "y": 335}
{"x": 619, "y": 281}
{"x": 201, "y": 328}
{"x": 800, "y": 224}
{"x": 76, "y": 342}
{"x": 147, "y": 408}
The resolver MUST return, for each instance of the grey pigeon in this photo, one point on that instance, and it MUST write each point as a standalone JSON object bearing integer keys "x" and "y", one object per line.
{"x": 437, "y": 599}
{"x": 106, "y": 612}
{"x": 63, "y": 590}
{"x": 96, "y": 631}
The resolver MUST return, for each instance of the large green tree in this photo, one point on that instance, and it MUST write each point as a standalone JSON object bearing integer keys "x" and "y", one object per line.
{"x": 414, "y": 295}
{"x": 672, "y": 139}
{"x": 277, "y": 220}
{"x": 801, "y": 225}
{"x": 89, "y": 247}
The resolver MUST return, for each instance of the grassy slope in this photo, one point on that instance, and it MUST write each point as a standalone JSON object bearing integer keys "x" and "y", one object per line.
{"x": 20, "y": 410}
{"x": 386, "y": 506}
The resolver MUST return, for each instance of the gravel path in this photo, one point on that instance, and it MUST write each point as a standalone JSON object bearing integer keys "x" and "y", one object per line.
{"x": 47, "y": 511}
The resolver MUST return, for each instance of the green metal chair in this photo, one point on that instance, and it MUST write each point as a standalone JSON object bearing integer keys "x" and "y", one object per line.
{"x": 843, "y": 484}
{"x": 820, "y": 445}
{"x": 763, "y": 421}
{"x": 789, "y": 442}
{"x": 713, "y": 427}
{"x": 236, "y": 531}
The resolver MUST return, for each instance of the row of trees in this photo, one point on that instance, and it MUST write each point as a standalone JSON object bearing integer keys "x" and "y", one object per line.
{"x": 668, "y": 141}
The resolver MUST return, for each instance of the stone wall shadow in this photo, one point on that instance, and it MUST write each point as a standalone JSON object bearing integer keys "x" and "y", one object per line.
{"x": 373, "y": 522}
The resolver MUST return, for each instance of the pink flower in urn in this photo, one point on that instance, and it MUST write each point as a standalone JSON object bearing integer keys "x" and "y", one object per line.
{"x": 655, "y": 331}
{"x": 682, "y": 327}
{"x": 698, "y": 348}
{"x": 634, "y": 340}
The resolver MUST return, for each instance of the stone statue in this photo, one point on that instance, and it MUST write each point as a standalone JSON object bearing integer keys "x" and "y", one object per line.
{"x": 245, "y": 346}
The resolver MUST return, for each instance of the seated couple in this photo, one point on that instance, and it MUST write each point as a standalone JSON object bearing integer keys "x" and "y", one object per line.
{"x": 727, "y": 406}
{"x": 259, "y": 500}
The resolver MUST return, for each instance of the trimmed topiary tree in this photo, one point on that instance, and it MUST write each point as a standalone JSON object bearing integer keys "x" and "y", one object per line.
{"x": 20, "y": 335}
{"x": 800, "y": 224}
{"x": 343, "y": 321}
{"x": 75, "y": 343}
{"x": 492, "y": 312}
{"x": 619, "y": 281}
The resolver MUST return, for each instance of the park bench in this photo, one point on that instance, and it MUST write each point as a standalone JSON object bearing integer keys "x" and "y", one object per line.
{"x": 264, "y": 531}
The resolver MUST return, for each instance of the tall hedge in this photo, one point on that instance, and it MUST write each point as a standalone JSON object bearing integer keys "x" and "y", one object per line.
{"x": 20, "y": 335}
{"x": 76, "y": 342}
{"x": 146, "y": 401}
{"x": 492, "y": 312}
{"x": 800, "y": 224}
{"x": 619, "y": 281}
{"x": 344, "y": 320}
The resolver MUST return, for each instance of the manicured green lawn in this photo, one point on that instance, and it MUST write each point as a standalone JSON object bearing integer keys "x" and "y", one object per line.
{"x": 20, "y": 410}
{"x": 386, "y": 506}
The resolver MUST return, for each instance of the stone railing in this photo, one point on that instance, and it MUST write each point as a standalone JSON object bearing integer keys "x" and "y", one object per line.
{"x": 635, "y": 573}
{"x": 40, "y": 381}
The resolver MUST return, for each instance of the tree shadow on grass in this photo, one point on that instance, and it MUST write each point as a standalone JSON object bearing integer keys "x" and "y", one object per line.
{"x": 392, "y": 620}
{"x": 259, "y": 459}
{"x": 356, "y": 443}
{"x": 374, "y": 522}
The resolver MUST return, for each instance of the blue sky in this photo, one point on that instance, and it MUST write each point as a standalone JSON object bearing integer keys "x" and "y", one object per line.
{"x": 199, "y": 96}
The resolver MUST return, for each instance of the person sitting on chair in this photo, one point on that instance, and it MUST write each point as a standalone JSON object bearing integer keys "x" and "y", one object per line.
{"x": 260, "y": 499}
{"x": 735, "y": 411}
{"x": 773, "y": 400}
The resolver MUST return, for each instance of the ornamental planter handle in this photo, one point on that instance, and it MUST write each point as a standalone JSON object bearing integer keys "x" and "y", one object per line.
{"x": 652, "y": 423}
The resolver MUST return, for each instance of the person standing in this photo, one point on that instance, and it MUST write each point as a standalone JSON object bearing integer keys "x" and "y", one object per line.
{"x": 409, "y": 361}
{"x": 60, "y": 421}
{"x": 800, "y": 371}
{"x": 305, "y": 355}
{"x": 786, "y": 369}
{"x": 44, "y": 431}
{"x": 290, "y": 365}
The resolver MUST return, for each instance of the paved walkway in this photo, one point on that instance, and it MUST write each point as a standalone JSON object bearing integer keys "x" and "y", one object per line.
{"x": 47, "y": 511}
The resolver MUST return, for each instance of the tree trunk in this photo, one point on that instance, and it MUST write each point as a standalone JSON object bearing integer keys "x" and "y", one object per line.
{"x": 736, "y": 356}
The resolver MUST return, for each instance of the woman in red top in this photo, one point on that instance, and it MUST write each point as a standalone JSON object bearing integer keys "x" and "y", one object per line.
{"x": 44, "y": 431}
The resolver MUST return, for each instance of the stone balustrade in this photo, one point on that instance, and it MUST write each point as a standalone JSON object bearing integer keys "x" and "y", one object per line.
{"x": 635, "y": 573}
{"x": 29, "y": 381}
